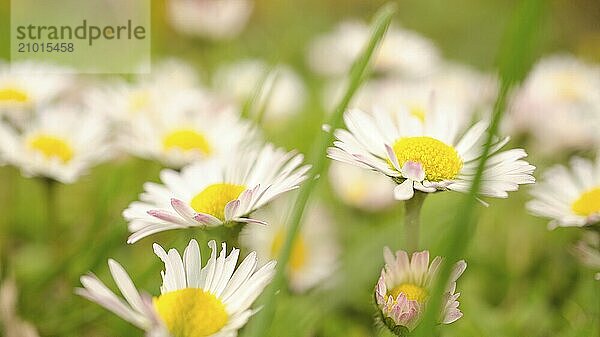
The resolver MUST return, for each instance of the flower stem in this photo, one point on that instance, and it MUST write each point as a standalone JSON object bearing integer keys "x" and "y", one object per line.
{"x": 261, "y": 322}
{"x": 412, "y": 220}
{"x": 514, "y": 61}
{"x": 52, "y": 213}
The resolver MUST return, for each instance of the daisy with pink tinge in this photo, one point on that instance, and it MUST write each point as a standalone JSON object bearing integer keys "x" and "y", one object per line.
{"x": 404, "y": 288}
{"x": 215, "y": 192}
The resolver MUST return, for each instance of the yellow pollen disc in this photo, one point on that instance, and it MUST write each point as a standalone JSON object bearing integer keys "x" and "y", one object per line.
{"x": 357, "y": 191}
{"x": 411, "y": 291}
{"x": 440, "y": 161}
{"x": 212, "y": 199}
{"x": 588, "y": 203}
{"x": 139, "y": 100}
{"x": 191, "y": 312}
{"x": 51, "y": 147}
{"x": 298, "y": 256}
{"x": 569, "y": 86}
{"x": 418, "y": 112}
{"x": 186, "y": 140}
{"x": 13, "y": 95}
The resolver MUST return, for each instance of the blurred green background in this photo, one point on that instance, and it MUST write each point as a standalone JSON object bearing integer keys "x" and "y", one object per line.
{"x": 521, "y": 278}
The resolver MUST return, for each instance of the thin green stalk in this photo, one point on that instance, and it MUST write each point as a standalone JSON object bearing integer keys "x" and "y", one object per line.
{"x": 52, "y": 221}
{"x": 261, "y": 322}
{"x": 412, "y": 220}
{"x": 251, "y": 103}
{"x": 271, "y": 80}
{"x": 104, "y": 196}
{"x": 515, "y": 60}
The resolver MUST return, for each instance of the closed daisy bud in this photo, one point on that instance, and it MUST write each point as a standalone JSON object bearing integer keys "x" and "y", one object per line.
{"x": 404, "y": 287}
{"x": 215, "y": 192}
{"x": 194, "y": 301}
{"x": 569, "y": 196}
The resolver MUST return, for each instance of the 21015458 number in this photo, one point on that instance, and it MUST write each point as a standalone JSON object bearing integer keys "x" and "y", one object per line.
{"x": 49, "y": 47}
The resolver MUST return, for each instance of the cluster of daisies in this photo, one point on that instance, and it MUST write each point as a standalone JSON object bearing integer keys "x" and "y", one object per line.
{"x": 409, "y": 131}
{"x": 218, "y": 172}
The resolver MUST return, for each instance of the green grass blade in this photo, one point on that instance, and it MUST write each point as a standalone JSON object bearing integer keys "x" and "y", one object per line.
{"x": 260, "y": 323}
{"x": 514, "y": 61}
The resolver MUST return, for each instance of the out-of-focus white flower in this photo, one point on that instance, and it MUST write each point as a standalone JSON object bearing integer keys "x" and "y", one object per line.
{"x": 13, "y": 325}
{"x": 570, "y": 197}
{"x": 315, "y": 250}
{"x": 27, "y": 86}
{"x": 194, "y": 301}
{"x": 212, "y": 19}
{"x": 404, "y": 287}
{"x": 182, "y": 134}
{"x": 460, "y": 90}
{"x": 588, "y": 252}
{"x": 60, "y": 143}
{"x": 360, "y": 188}
{"x": 402, "y": 52}
{"x": 171, "y": 74}
{"x": 283, "y": 92}
{"x": 559, "y": 105}
{"x": 216, "y": 191}
{"x": 423, "y": 152}
{"x": 172, "y": 85}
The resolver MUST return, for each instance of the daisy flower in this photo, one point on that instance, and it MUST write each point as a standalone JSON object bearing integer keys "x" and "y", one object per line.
{"x": 212, "y": 19}
{"x": 569, "y": 196}
{"x": 215, "y": 192}
{"x": 283, "y": 91}
{"x": 588, "y": 252}
{"x": 60, "y": 143}
{"x": 25, "y": 86}
{"x": 359, "y": 188}
{"x": 182, "y": 134}
{"x": 194, "y": 301}
{"x": 403, "y": 289}
{"x": 401, "y": 52}
{"x": 558, "y": 104}
{"x": 148, "y": 97}
{"x": 315, "y": 250}
{"x": 421, "y": 152}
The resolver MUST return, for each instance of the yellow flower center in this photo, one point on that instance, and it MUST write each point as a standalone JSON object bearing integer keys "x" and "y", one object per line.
{"x": 186, "y": 140}
{"x": 412, "y": 292}
{"x": 588, "y": 203}
{"x": 10, "y": 94}
{"x": 191, "y": 312}
{"x": 212, "y": 199}
{"x": 440, "y": 161}
{"x": 298, "y": 255}
{"x": 569, "y": 87}
{"x": 139, "y": 100}
{"x": 418, "y": 112}
{"x": 51, "y": 147}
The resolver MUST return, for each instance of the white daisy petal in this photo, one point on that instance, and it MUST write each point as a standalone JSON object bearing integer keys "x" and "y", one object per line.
{"x": 187, "y": 293}
{"x": 215, "y": 191}
{"x": 569, "y": 197}
{"x": 422, "y": 149}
